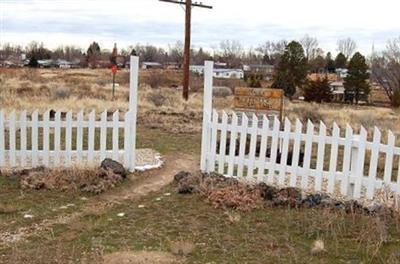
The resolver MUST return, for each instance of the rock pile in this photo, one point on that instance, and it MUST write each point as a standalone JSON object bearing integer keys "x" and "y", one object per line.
{"x": 222, "y": 190}
{"x": 92, "y": 180}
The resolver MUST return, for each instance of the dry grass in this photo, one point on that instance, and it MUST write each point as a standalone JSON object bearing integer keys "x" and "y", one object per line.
{"x": 163, "y": 107}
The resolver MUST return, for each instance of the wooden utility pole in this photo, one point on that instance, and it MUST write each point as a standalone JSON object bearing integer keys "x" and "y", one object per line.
{"x": 188, "y": 29}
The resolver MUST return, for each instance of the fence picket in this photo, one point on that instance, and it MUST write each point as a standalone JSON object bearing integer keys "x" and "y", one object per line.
{"x": 222, "y": 144}
{"x": 91, "y": 138}
{"x": 359, "y": 166}
{"x": 263, "y": 148}
{"x": 296, "y": 153}
{"x": 46, "y": 134}
{"x": 333, "y": 158}
{"x": 2, "y": 139}
{"x": 12, "y": 136}
{"x": 115, "y": 136}
{"x": 320, "y": 156}
{"x": 103, "y": 135}
{"x": 373, "y": 165}
{"x": 242, "y": 144}
{"x": 79, "y": 135}
{"x": 127, "y": 142}
{"x": 57, "y": 138}
{"x": 344, "y": 187}
{"x": 253, "y": 145}
{"x": 274, "y": 150}
{"x": 213, "y": 148}
{"x": 307, "y": 154}
{"x": 284, "y": 151}
{"x": 23, "y": 138}
{"x": 232, "y": 144}
{"x": 35, "y": 138}
{"x": 68, "y": 139}
{"x": 387, "y": 179}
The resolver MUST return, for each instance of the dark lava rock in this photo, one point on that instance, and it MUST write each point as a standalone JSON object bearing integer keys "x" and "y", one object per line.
{"x": 181, "y": 175}
{"x": 114, "y": 166}
{"x": 288, "y": 197}
{"x": 188, "y": 185}
{"x": 268, "y": 193}
{"x": 378, "y": 210}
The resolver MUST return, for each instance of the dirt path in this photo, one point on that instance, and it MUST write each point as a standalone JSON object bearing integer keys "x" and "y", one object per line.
{"x": 140, "y": 185}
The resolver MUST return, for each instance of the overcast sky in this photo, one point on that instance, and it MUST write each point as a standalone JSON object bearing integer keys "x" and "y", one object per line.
{"x": 79, "y": 22}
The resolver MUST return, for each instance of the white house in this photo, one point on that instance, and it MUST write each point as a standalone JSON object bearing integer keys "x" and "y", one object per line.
{"x": 342, "y": 73}
{"x": 337, "y": 89}
{"x": 220, "y": 73}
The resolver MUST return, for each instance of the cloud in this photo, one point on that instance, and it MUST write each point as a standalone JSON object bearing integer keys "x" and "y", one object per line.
{"x": 252, "y": 22}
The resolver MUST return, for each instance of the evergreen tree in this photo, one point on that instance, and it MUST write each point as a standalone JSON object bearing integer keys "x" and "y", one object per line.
{"x": 330, "y": 63}
{"x": 114, "y": 54}
{"x": 93, "y": 53}
{"x": 340, "y": 61}
{"x": 318, "y": 90}
{"x": 291, "y": 71}
{"x": 133, "y": 52}
{"x": 356, "y": 83}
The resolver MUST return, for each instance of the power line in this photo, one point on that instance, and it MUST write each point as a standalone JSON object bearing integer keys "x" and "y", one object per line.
{"x": 188, "y": 23}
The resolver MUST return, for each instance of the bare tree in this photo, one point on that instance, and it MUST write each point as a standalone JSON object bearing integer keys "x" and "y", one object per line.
{"x": 310, "y": 46}
{"x": 272, "y": 51}
{"x": 393, "y": 49}
{"x": 231, "y": 51}
{"x": 347, "y": 47}
{"x": 386, "y": 71}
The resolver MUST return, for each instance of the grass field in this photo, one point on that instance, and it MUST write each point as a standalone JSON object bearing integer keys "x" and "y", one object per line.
{"x": 81, "y": 228}
{"x": 186, "y": 224}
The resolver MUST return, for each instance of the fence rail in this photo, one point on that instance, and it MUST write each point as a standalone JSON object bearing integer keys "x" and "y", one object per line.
{"x": 54, "y": 139}
{"x": 324, "y": 160}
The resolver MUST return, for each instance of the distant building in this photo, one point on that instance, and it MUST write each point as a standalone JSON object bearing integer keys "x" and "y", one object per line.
{"x": 339, "y": 93}
{"x": 341, "y": 73}
{"x": 45, "y": 63}
{"x": 229, "y": 73}
{"x": 151, "y": 65}
{"x": 337, "y": 89}
{"x": 219, "y": 73}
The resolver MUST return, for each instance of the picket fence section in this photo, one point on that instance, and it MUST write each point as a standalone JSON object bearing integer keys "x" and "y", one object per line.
{"x": 54, "y": 139}
{"x": 238, "y": 146}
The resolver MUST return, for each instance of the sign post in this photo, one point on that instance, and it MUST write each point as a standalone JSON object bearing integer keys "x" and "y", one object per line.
{"x": 259, "y": 99}
{"x": 114, "y": 70}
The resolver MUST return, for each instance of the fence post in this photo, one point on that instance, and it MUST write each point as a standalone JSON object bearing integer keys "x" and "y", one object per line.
{"x": 133, "y": 91}
{"x": 207, "y": 112}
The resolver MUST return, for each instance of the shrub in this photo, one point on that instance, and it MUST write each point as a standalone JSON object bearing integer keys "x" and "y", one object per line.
{"x": 222, "y": 91}
{"x": 61, "y": 93}
{"x": 254, "y": 80}
{"x": 156, "y": 79}
{"x": 157, "y": 98}
{"x": 317, "y": 91}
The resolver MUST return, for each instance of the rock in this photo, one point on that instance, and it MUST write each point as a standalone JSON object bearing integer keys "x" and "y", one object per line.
{"x": 267, "y": 192}
{"x": 187, "y": 186}
{"x": 313, "y": 200}
{"x": 288, "y": 197}
{"x": 181, "y": 175}
{"x": 378, "y": 209}
{"x": 114, "y": 166}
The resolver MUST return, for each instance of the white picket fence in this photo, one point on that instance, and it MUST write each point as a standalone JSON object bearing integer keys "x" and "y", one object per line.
{"x": 328, "y": 160}
{"x": 64, "y": 139}
{"x": 264, "y": 151}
